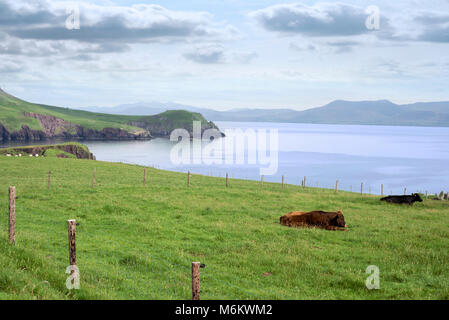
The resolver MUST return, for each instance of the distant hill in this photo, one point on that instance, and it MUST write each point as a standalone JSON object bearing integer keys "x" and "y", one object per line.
{"x": 380, "y": 112}
{"x": 25, "y": 121}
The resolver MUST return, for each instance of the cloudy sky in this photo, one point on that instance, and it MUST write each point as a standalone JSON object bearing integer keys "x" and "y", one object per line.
{"x": 224, "y": 54}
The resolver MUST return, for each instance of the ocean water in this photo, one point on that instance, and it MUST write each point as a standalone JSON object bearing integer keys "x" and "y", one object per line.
{"x": 415, "y": 158}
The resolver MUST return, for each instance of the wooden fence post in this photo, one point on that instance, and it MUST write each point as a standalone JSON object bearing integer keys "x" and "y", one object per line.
{"x": 72, "y": 241}
{"x": 427, "y": 194}
{"x": 336, "y": 186}
{"x": 93, "y": 177}
{"x": 304, "y": 181}
{"x": 49, "y": 180}
{"x": 262, "y": 179}
{"x": 361, "y": 188}
{"x": 282, "y": 182}
{"x": 227, "y": 180}
{"x": 381, "y": 189}
{"x": 196, "y": 280}
{"x": 405, "y": 191}
{"x": 144, "y": 176}
{"x": 188, "y": 178}
{"x": 12, "y": 215}
{"x": 71, "y": 226}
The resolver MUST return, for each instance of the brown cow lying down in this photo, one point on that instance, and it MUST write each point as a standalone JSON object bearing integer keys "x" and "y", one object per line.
{"x": 320, "y": 219}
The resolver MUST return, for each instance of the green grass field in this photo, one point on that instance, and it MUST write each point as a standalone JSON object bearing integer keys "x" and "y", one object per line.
{"x": 138, "y": 242}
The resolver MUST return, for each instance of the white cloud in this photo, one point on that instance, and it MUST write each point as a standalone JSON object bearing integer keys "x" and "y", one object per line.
{"x": 210, "y": 54}
{"x": 9, "y": 66}
{"x": 44, "y": 20}
{"x": 322, "y": 19}
{"x": 217, "y": 54}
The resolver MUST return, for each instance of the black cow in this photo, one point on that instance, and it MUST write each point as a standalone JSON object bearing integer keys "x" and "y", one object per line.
{"x": 403, "y": 199}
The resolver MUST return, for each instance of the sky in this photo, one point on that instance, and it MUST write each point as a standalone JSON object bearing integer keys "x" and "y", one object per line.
{"x": 224, "y": 54}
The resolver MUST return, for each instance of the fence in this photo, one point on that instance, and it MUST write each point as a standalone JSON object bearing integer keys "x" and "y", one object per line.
{"x": 108, "y": 257}
{"x": 103, "y": 257}
{"x": 81, "y": 255}
{"x": 381, "y": 189}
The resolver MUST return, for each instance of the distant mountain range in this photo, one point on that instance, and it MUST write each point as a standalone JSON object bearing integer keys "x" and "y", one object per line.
{"x": 380, "y": 112}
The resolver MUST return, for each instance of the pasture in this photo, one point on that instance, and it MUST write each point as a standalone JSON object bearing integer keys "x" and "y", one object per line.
{"x": 138, "y": 242}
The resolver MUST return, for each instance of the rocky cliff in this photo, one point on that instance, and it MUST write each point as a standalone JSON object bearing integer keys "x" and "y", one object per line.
{"x": 24, "y": 134}
{"x": 53, "y": 127}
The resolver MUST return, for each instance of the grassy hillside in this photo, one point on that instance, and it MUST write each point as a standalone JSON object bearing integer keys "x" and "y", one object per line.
{"x": 165, "y": 122}
{"x": 176, "y": 117}
{"x": 138, "y": 242}
{"x": 68, "y": 150}
{"x": 12, "y": 117}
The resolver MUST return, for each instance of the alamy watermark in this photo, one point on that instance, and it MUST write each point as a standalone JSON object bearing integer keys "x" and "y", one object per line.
{"x": 72, "y": 281}
{"x": 73, "y": 19}
{"x": 372, "y": 22}
{"x": 208, "y": 147}
{"x": 373, "y": 280}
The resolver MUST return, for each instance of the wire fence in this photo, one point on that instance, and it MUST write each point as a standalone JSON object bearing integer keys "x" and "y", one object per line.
{"x": 113, "y": 262}
{"x": 117, "y": 268}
